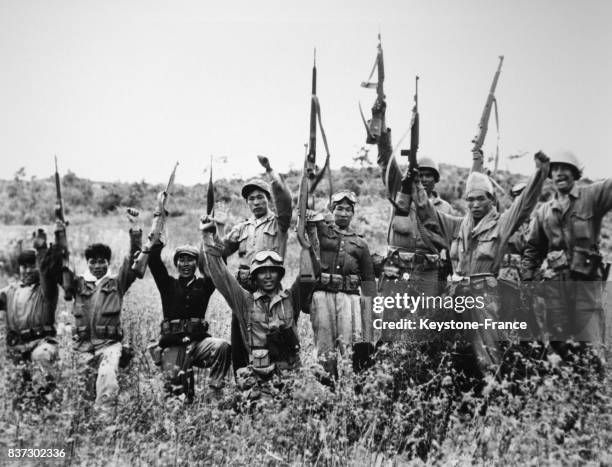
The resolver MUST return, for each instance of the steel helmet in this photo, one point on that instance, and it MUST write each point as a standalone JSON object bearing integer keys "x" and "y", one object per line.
{"x": 567, "y": 158}
{"x": 267, "y": 259}
{"x": 429, "y": 163}
{"x": 256, "y": 184}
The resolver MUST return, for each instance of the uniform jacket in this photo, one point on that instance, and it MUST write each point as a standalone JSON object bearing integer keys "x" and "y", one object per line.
{"x": 552, "y": 228}
{"x": 97, "y": 306}
{"x": 33, "y": 306}
{"x": 266, "y": 233}
{"x": 257, "y": 314}
{"x": 344, "y": 253}
{"x": 180, "y": 300}
{"x": 404, "y": 230}
{"x": 478, "y": 249}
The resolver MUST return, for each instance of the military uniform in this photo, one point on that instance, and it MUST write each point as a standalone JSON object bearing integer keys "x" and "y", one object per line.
{"x": 97, "y": 322}
{"x": 567, "y": 237}
{"x": 413, "y": 261}
{"x": 476, "y": 253}
{"x": 337, "y": 315}
{"x": 185, "y": 341}
{"x": 255, "y": 234}
{"x": 30, "y": 312}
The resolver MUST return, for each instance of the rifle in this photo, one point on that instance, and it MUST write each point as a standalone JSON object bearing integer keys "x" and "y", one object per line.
{"x": 210, "y": 194}
{"x": 61, "y": 239}
{"x": 311, "y": 177}
{"x": 414, "y": 139}
{"x": 159, "y": 220}
{"x": 483, "y": 125}
{"x": 374, "y": 126}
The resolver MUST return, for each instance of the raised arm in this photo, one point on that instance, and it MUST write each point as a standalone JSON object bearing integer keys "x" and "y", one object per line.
{"x": 162, "y": 279}
{"x": 521, "y": 208}
{"x": 127, "y": 275}
{"x": 212, "y": 252}
{"x": 602, "y": 193}
{"x": 49, "y": 262}
{"x": 280, "y": 195}
{"x": 441, "y": 227}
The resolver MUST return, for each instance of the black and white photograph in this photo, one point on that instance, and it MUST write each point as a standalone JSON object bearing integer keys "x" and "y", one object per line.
{"x": 317, "y": 233}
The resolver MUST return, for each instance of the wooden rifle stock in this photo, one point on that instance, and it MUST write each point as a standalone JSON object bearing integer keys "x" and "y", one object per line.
{"x": 61, "y": 239}
{"x": 374, "y": 126}
{"x": 414, "y": 140}
{"x": 140, "y": 263}
{"x": 483, "y": 125}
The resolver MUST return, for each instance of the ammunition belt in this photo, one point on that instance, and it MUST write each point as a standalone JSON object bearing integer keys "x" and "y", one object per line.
{"x": 27, "y": 335}
{"x": 399, "y": 261}
{"x": 339, "y": 283}
{"x": 511, "y": 260}
{"x": 83, "y": 333}
{"x": 475, "y": 281}
{"x": 174, "y": 330}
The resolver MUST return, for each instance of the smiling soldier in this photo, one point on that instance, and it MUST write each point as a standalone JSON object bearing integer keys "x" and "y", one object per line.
{"x": 265, "y": 230}
{"x": 565, "y": 232}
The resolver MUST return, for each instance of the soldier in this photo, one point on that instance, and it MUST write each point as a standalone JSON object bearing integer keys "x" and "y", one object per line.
{"x": 414, "y": 263}
{"x": 430, "y": 175}
{"x": 346, "y": 268}
{"x": 478, "y": 241}
{"x": 98, "y": 299}
{"x": 184, "y": 340}
{"x": 30, "y": 307}
{"x": 263, "y": 231}
{"x": 267, "y": 316}
{"x": 565, "y": 232}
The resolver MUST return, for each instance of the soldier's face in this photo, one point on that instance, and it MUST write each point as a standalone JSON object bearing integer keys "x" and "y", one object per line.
{"x": 428, "y": 179}
{"x": 563, "y": 177}
{"x": 28, "y": 274}
{"x": 98, "y": 267}
{"x": 479, "y": 203}
{"x": 186, "y": 266}
{"x": 343, "y": 214}
{"x": 258, "y": 203}
{"x": 267, "y": 279}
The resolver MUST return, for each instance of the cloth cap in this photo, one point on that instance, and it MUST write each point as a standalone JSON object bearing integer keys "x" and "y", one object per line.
{"x": 26, "y": 257}
{"x": 429, "y": 163}
{"x": 256, "y": 184}
{"x": 478, "y": 181}
{"x": 567, "y": 158}
{"x": 185, "y": 250}
{"x": 267, "y": 259}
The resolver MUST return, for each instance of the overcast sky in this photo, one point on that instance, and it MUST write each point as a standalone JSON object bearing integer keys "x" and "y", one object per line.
{"x": 119, "y": 90}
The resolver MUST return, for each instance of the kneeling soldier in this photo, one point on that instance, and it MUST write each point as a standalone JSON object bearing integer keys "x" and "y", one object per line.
{"x": 98, "y": 298}
{"x": 268, "y": 316}
{"x": 184, "y": 340}
{"x": 30, "y": 306}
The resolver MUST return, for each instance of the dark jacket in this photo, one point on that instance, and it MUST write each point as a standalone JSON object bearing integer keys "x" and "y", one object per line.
{"x": 180, "y": 300}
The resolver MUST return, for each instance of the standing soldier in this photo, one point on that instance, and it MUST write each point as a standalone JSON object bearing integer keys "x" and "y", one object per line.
{"x": 478, "y": 242}
{"x": 565, "y": 232}
{"x": 185, "y": 341}
{"x": 267, "y": 317}
{"x": 414, "y": 264}
{"x": 98, "y": 296}
{"x": 265, "y": 230}
{"x": 30, "y": 305}
{"x": 346, "y": 269}
{"x": 430, "y": 175}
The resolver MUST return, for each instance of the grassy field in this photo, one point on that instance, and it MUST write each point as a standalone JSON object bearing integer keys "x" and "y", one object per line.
{"x": 557, "y": 415}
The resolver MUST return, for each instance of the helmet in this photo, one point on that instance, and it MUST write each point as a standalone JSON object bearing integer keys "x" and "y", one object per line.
{"x": 429, "y": 163}
{"x": 267, "y": 259}
{"x": 517, "y": 189}
{"x": 567, "y": 158}
{"x": 256, "y": 184}
{"x": 185, "y": 250}
{"x": 338, "y": 196}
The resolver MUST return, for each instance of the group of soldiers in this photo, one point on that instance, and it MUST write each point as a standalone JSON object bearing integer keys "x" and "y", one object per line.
{"x": 430, "y": 251}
